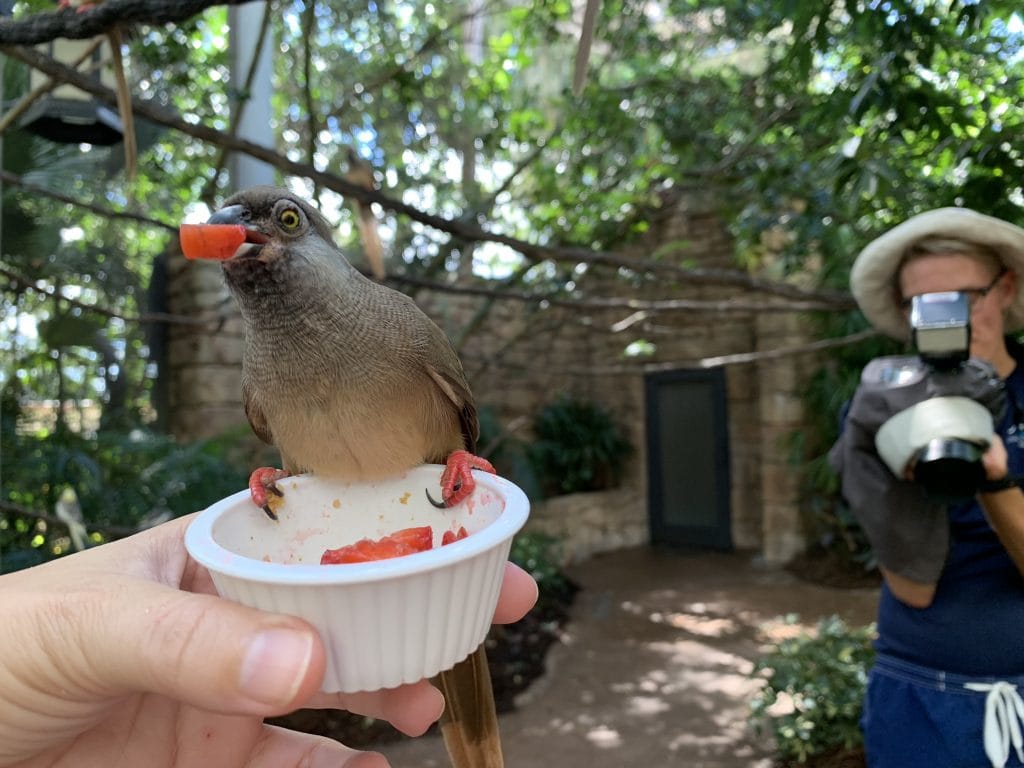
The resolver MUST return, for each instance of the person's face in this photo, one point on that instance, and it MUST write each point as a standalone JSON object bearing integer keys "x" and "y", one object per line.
{"x": 958, "y": 272}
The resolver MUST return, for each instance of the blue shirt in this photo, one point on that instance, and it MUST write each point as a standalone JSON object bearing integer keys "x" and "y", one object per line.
{"x": 975, "y": 624}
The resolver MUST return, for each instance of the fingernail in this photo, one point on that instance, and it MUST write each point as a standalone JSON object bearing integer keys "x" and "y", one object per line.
{"x": 365, "y": 760}
{"x": 275, "y": 665}
{"x": 438, "y": 702}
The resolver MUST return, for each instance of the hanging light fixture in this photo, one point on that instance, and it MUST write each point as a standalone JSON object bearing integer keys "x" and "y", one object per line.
{"x": 66, "y": 114}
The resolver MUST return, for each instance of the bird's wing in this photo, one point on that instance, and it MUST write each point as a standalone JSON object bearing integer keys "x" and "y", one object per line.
{"x": 453, "y": 384}
{"x": 254, "y": 414}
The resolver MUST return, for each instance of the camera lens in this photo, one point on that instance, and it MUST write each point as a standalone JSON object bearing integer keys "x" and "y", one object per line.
{"x": 950, "y": 469}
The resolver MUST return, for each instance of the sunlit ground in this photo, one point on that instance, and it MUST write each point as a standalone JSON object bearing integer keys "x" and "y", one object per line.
{"x": 655, "y": 668}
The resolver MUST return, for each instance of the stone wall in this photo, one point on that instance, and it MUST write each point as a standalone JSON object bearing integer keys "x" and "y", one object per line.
{"x": 590, "y": 523}
{"x": 203, "y": 362}
{"x": 781, "y": 409}
{"x": 519, "y": 357}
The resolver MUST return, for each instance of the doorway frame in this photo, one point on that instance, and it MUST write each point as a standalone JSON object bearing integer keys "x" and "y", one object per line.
{"x": 719, "y": 536}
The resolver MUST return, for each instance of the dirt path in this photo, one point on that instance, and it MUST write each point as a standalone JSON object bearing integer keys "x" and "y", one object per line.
{"x": 653, "y": 669}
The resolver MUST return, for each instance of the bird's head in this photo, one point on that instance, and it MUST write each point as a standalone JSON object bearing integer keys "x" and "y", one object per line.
{"x": 287, "y": 241}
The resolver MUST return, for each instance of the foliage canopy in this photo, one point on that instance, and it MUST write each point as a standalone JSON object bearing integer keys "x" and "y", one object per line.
{"x": 812, "y": 126}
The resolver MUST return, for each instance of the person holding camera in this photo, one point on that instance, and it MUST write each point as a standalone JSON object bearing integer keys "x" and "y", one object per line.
{"x": 930, "y": 458}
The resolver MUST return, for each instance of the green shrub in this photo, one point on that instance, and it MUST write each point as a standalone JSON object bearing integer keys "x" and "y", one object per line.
{"x": 824, "y": 675}
{"x": 502, "y": 446}
{"x": 516, "y": 652}
{"x": 120, "y": 478}
{"x": 540, "y": 555}
{"x": 578, "y": 447}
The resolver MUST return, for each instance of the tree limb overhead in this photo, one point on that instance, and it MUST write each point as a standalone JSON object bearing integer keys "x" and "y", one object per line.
{"x": 460, "y": 228}
{"x": 99, "y": 19}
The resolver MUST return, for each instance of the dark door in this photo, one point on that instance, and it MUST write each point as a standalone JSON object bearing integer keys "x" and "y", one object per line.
{"x": 688, "y": 458}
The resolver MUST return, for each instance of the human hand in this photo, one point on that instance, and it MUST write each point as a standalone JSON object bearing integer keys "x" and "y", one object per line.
{"x": 995, "y": 460}
{"x": 123, "y": 655}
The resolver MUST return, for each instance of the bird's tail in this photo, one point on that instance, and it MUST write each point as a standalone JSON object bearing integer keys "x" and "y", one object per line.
{"x": 470, "y": 720}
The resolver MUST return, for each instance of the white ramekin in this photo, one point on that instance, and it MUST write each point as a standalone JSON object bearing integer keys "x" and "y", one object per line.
{"x": 384, "y": 623}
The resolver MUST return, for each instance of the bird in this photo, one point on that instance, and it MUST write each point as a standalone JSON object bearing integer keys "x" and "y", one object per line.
{"x": 349, "y": 378}
{"x": 69, "y": 512}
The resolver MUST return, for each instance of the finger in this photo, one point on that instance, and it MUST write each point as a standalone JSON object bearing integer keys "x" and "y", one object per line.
{"x": 412, "y": 709}
{"x": 280, "y": 748}
{"x": 518, "y": 595}
{"x": 994, "y": 460}
{"x": 199, "y": 649}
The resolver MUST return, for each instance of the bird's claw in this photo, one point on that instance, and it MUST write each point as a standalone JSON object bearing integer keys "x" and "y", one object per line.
{"x": 457, "y": 481}
{"x": 263, "y": 481}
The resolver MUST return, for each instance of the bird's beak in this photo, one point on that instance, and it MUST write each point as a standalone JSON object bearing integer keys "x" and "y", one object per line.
{"x": 236, "y": 214}
{"x": 231, "y": 214}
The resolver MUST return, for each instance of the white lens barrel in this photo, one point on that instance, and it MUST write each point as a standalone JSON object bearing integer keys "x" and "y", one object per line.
{"x": 939, "y": 417}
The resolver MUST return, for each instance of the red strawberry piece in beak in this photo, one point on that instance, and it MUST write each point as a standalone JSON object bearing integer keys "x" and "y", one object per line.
{"x": 227, "y": 234}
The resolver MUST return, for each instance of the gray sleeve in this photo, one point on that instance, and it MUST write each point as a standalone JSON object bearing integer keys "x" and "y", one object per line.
{"x": 909, "y": 532}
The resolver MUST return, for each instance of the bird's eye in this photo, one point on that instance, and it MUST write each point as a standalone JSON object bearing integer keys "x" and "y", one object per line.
{"x": 289, "y": 218}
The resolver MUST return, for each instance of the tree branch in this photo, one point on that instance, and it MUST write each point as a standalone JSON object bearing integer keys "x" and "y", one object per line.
{"x": 438, "y": 35}
{"x": 463, "y": 229}
{"x": 470, "y": 327}
{"x": 308, "y": 25}
{"x": 771, "y": 354}
{"x": 739, "y": 358}
{"x": 76, "y": 24}
{"x": 524, "y": 162}
{"x": 641, "y": 308}
{"x": 109, "y": 531}
{"x": 18, "y": 279}
{"x": 10, "y": 178}
{"x": 637, "y": 305}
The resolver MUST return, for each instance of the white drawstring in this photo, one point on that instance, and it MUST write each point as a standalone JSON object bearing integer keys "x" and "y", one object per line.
{"x": 1004, "y": 713}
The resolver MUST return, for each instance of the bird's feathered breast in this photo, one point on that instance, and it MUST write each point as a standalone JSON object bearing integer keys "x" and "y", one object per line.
{"x": 330, "y": 369}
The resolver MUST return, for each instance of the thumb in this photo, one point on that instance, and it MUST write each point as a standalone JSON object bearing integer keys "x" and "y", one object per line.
{"x": 200, "y": 649}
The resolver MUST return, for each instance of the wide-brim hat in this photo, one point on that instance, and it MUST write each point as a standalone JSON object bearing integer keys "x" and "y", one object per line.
{"x": 873, "y": 277}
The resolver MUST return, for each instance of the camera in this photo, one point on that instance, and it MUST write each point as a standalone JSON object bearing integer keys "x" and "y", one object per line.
{"x": 941, "y": 328}
{"x": 945, "y": 403}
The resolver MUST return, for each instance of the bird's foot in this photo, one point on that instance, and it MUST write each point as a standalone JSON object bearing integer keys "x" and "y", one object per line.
{"x": 263, "y": 481}
{"x": 457, "y": 481}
